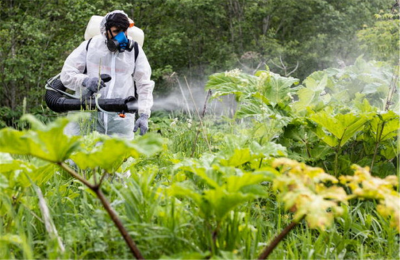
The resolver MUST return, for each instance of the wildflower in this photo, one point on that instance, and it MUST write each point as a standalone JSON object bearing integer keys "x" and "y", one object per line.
{"x": 173, "y": 123}
{"x": 233, "y": 73}
{"x": 264, "y": 109}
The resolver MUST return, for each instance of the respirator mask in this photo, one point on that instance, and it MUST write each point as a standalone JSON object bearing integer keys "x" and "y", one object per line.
{"x": 119, "y": 43}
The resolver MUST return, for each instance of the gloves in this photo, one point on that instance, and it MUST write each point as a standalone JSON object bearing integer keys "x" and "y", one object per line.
{"x": 142, "y": 123}
{"x": 93, "y": 85}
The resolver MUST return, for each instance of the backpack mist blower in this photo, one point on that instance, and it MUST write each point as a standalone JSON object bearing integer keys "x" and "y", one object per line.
{"x": 60, "y": 101}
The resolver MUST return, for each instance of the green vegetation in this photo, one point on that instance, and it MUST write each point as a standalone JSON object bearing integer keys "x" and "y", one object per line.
{"x": 304, "y": 169}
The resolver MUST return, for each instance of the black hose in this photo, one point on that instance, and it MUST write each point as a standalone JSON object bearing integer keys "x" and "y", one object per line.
{"x": 57, "y": 102}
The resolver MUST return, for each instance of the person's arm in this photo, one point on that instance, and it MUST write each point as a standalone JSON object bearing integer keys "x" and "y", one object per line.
{"x": 72, "y": 72}
{"x": 144, "y": 84}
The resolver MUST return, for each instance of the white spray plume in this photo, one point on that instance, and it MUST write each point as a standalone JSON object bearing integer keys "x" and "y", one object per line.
{"x": 189, "y": 96}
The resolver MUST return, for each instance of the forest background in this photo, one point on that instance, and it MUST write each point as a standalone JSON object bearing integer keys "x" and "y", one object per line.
{"x": 190, "y": 39}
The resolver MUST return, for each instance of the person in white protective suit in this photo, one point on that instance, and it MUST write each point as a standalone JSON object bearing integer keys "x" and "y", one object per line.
{"x": 111, "y": 53}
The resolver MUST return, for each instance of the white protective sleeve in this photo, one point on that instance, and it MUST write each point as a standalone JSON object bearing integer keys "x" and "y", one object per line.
{"x": 74, "y": 66}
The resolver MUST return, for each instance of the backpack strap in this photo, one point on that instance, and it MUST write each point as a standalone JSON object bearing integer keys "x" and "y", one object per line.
{"x": 87, "y": 48}
{"x": 136, "y": 48}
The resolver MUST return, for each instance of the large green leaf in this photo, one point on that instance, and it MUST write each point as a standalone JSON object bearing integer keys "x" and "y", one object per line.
{"x": 386, "y": 125}
{"x": 220, "y": 202}
{"x": 203, "y": 174}
{"x": 46, "y": 142}
{"x": 255, "y": 93}
{"x": 341, "y": 126}
{"x": 239, "y": 157}
{"x": 254, "y": 108}
{"x": 111, "y": 152}
{"x": 15, "y": 171}
{"x": 269, "y": 149}
{"x": 390, "y": 150}
{"x": 237, "y": 183}
{"x": 215, "y": 202}
{"x": 327, "y": 137}
{"x": 227, "y": 186}
{"x": 232, "y": 82}
{"x": 310, "y": 96}
{"x": 276, "y": 88}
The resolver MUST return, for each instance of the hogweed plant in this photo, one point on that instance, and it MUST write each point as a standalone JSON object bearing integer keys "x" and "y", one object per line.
{"x": 340, "y": 116}
{"x": 49, "y": 144}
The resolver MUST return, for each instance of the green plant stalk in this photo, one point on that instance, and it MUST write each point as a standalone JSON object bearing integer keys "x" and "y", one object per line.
{"x": 388, "y": 102}
{"x": 201, "y": 121}
{"x": 183, "y": 95}
{"x": 352, "y": 156}
{"x": 195, "y": 140}
{"x": 210, "y": 237}
{"x": 337, "y": 151}
{"x": 261, "y": 160}
{"x": 307, "y": 149}
{"x": 378, "y": 140}
{"x": 268, "y": 250}
{"x": 114, "y": 217}
{"x": 392, "y": 90}
{"x": 214, "y": 236}
{"x": 398, "y": 166}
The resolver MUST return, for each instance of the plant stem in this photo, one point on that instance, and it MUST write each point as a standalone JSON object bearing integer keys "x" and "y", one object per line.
{"x": 336, "y": 160}
{"x": 215, "y": 234}
{"x": 94, "y": 177}
{"x": 200, "y": 118}
{"x": 102, "y": 178}
{"x": 209, "y": 93}
{"x": 388, "y": 103}
{"x": 391, "y": 92}
{"x": 307, "y": 148}
{"x": 378, "y": 140}
{"x": 184, "y": 97}
{"x": 268, "y": 250}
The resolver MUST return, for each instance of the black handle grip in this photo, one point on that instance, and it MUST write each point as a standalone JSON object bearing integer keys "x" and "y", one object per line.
{"x": 105, "y": 77}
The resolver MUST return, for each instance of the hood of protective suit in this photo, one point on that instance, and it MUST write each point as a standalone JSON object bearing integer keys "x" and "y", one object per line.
{"x": 104, "y": 20}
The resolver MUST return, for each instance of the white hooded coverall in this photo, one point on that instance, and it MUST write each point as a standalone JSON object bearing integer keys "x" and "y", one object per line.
{"x": 123, "y": 70}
